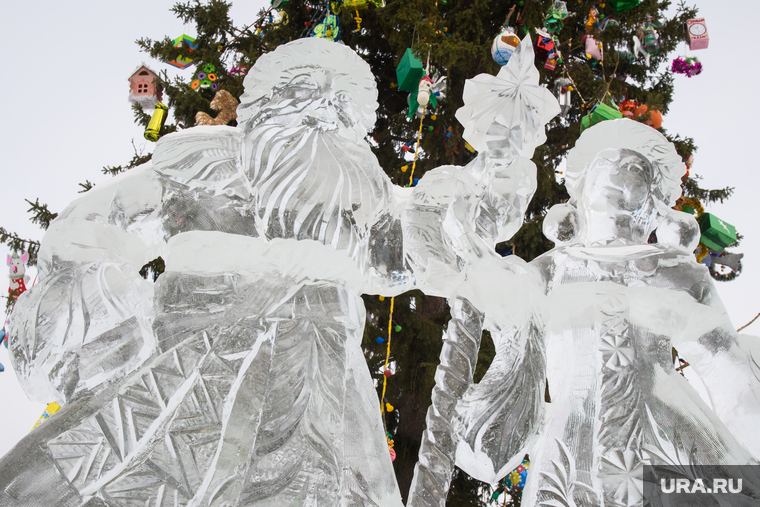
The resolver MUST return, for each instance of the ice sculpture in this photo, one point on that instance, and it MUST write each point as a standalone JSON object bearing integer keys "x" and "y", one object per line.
{"x": 238, "y": 378}
{"x": 608, "y": 307}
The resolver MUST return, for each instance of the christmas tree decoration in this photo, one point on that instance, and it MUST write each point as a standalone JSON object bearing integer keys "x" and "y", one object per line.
{"x": 563, "y": 91}
{"x": 409, "y": 72}
{"x": 223, "y": 102}
{"x": 653, "y": 117}
{"x": 594, "y": 50}
{"x": 725, "y": 266}
{"x": 153, "y": 131}
{"x": 623, "y": 5}
{"x": 690, "y": 66}
{"x": 599, "y": 113}
{"x": 544, "y": 41}
{"x": 514, "y": 482}
{"x": 592, "y": 20}
{"x": 717, "y": 235}
{"x": 144, "y": 88}
{"x": 554, "y": 19}
{"x": 51, "y": 409}
{"x": 328, "y": 28}
{"x": 504, "y": 45}
{"x": 698, "y": 36}
{"x": 17, "y": 274}
{"x": 552, "y": 59}
{"x": 420, "y": 98}
{"x": 187, "y": 42}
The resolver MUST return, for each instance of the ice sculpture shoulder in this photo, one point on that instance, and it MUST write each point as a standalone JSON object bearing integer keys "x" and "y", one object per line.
{"x": 600, "y": 344}
{"x": 238, "y": 378}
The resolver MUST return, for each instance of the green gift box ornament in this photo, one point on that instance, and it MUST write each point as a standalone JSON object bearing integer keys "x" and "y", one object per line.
{"x": 409, "y": 72}
{"x": 599, "y": 113}
{"x": 623, "y": 5}
{"x": 716, "y": 234}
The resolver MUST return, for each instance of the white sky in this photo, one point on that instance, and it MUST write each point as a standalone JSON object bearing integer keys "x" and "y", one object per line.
{"x": 67, "y": 117}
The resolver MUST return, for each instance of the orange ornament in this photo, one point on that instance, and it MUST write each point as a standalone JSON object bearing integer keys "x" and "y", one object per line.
{"x": 655, "y": 117}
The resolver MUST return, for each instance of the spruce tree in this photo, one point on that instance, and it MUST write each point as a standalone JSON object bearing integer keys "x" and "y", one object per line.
{"x": 455, "y": 36}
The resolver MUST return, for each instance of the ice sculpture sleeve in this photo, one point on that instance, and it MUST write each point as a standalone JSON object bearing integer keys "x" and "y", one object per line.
{"x": 456, "y": 215}
{"x": 86, "y": 320}
{"x": 484, "y": 428}
{"x": 728, "y": 364}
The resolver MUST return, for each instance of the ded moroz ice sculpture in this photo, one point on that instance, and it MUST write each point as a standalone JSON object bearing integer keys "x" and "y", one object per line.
{"x": 238, "y": 378}
{"x": 605, "y": 308}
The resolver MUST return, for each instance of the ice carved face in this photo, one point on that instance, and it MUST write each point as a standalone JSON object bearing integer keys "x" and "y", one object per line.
{"x": 618, "y": 180}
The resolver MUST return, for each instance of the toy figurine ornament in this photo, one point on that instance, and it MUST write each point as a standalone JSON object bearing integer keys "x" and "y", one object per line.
{"x": 591, "y": 21}
{"x": 554, "y": 19}
{"x": 594, "y": 50}
{"x": 424, "y": 91}
{"x": 223, "y": 102}
{"x": 17, "y": 274}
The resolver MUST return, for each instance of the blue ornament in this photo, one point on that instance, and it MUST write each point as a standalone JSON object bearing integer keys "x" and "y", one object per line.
{"x": 379, "y": 340}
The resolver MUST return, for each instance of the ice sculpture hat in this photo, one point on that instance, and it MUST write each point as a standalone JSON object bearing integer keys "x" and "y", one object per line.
{"x": 350, "y": 74}
{"x": 634, "y": 136}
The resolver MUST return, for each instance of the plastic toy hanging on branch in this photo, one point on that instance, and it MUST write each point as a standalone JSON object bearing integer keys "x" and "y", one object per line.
{"x": 328, "y": 28}
{"x": 183, "y": 41}
{"x": 505, "y": 43}
{"x": 223, "y": 102}
{"x": 594, "y": 50}
{"x": 554, "y": 20}
{"x": 646, "y": 40}
{"x": 205, "y": 78}
{"x": 17, "y": 274}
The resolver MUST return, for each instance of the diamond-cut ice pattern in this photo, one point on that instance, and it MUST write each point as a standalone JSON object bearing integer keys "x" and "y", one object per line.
{"x": 106, "y": 453}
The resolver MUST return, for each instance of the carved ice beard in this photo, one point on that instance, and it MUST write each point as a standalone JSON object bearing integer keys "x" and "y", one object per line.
{"x": 313, "y": 175}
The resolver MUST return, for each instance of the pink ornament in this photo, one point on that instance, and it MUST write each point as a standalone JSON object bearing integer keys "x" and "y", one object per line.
{"x": 393, "y": 455}
{"x": 593, "y": 48}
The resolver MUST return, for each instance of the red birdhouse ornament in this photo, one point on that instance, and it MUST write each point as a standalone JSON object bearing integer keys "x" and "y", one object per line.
{"x": 144, "y": 88}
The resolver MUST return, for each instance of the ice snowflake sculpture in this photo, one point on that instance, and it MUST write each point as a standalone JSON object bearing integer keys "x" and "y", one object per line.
{"x": 237, "y": 378}
{"x": 591, "y": 326}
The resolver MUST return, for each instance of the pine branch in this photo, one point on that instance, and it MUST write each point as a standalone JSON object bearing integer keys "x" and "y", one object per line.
{"x": 87, "y": 185}
{"x": 41, "y": 215}
{"x": 18, "y": 244}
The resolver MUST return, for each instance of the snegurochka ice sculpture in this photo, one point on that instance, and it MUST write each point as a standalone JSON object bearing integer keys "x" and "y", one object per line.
{"x": 237, "y": 378}
{"x": 592, "y": 324}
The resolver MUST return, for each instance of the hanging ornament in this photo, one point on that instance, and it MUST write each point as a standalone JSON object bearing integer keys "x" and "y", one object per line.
{"x": 51, "y": 409}
{"x": 504, "y": 45}
{"x": 698, "y": 36}
{"x": 717, "y": 235}
{"x": 223, "y": 102}
{"x": 389, "y": 439}
{"x": 690, "y": 66}
{"x": 554, "y": 20}
{"x": 653, "y": 117}
{"x": 17, "y": 274}
{"x": 422, "y": 97}
{"x": 623, "y": 5}
{"x": 591, "y": 21}
{"x": 594, "y": 50}
{"x": 144, "y": 88}
{"x": 514, "y": 482}
{"x": 607, "y": 22}
{"x": 563, "y": 88}
{"x": 205, "y": 78}
{"x": 599, "y": 113}
{"x": 153, "y": 131}
{"x": 551, "y": 60}
{"x": 187, "y": 42}
{"x": 726, "y": 266}
{"x": 328, "y": 28}
{"x": 646, "y": 41}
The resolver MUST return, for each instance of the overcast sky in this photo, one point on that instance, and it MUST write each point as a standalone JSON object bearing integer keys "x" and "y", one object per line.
{"x": 68, "y": 116}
